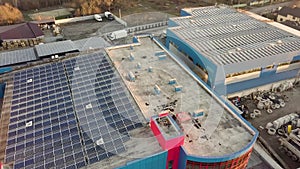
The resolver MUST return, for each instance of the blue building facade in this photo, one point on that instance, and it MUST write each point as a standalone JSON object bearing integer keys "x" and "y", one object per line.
{"x": 268, "y": 61}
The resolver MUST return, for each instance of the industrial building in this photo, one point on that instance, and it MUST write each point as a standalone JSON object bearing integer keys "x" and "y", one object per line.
{"x": 234, "y": 50}
{"x": 129, "y": 106}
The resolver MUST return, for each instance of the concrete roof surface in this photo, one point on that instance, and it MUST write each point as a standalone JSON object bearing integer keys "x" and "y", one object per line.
{"x": 220, "y": 133}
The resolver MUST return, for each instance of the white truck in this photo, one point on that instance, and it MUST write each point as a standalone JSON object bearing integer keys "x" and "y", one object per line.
{"x": 109, "y": 15}
{"x": 98, "y": 17}
{"x": 118, "y": 34}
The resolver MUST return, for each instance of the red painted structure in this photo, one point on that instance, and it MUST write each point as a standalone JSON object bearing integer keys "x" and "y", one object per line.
{"x": 171, "y": 144}
{"x": 237, "y": 163}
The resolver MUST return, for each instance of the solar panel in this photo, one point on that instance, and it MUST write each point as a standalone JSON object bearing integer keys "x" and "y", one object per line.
{"x": 17, "y": 56}
{"x": 104, "y": 111}
{"x": 53, "y": 126}
{"x": 43, "y": 131}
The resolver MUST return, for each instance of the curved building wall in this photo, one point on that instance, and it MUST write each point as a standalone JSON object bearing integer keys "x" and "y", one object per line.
{"x": 197, "y": 58}
{"x": 238, "y": 160}
{"x": 217, "y": 75}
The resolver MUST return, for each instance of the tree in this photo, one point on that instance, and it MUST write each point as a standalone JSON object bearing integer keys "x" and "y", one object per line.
{"x": 10, "y": 14}
{"x": 88, "y": 7}
{"x": 108, "y": 3}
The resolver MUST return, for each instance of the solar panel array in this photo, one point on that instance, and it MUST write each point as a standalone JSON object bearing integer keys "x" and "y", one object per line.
{"x": 103, "y": 108}
{"x": 17, "y": 56}
{"x": 43, "y": 132}
{"x": 68, "y": 114}
{"x": 226, "y": 36}
{"x": 49, "y": 49}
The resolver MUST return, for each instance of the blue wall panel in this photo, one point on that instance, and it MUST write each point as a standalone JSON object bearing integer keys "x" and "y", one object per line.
{"x": 5, "y": 69}
{"x": 196, "y": 56}
{"x": 157, "y": 161}
{"x": 262, "y": 80}
{"x": 184, "y": 13}
{"x": 268, "y": 72}
{"x": 2, "y": 90}
{"x": 182, "y": 159}
{"x": 296, "y": 58}
{"x": 171, "y": 23}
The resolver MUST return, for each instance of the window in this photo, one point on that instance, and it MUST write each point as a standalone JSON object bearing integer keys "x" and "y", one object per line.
{"x": 170, "y": 165}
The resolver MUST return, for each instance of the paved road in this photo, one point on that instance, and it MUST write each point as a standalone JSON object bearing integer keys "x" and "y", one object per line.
{"x": 269, "y": 8}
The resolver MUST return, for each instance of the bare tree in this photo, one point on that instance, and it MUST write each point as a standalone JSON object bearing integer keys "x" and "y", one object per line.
{"x": 108, "y": 3}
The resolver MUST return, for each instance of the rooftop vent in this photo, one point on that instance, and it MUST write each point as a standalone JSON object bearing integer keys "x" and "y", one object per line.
{"x": 157, "y": 90}
{"x": 279, "y": 42}
{"x": 235, "y": 50}
{"x": 272, "y": 44}
{"x": 192, "y": 21}
{"x": 131, "y": 76}
{"x": 234, "y": 25}
{"x": 205, "y": 11}
{"x": 238, "y": 49}
{"x": 77, "y": 68}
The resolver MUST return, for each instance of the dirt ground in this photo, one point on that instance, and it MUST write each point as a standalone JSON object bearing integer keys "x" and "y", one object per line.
{"x": 85, "y": 29}
{"x": 292, "y": 106}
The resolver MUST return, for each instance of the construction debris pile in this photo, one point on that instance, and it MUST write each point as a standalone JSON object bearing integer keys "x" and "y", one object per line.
{"x": 264, "y": 100}
{"x": 268, "y": 101}
{"x": 7, "y": 45}
{"x": 288, "y": 130}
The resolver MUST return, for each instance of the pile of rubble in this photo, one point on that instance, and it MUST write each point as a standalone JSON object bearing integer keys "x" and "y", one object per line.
{"x": 14, "y": 44}
{"x": 288, "y": 130}
{"x": 268, "y": 101}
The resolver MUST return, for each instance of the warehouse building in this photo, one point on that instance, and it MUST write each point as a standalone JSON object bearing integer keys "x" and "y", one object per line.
{"x": 20, "y": 35}
{"x": 129, "y": 106}
{"x": 234, "y": 50}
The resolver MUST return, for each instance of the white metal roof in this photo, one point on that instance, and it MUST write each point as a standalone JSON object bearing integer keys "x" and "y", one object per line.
{"x": 55, "y": 48}
{"x": 226, "y": 37}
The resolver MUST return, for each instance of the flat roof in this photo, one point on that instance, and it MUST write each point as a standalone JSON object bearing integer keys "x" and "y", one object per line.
{"x": 220, "y": 133}
{"x": 234, "y": 39}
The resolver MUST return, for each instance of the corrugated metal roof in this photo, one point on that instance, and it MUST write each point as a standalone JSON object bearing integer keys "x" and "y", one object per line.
{"x": 49, "y": 49}
{"x": 17, "y": 56}
{"x": 91, "y": 43}
{"x": 228, "y": 37}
